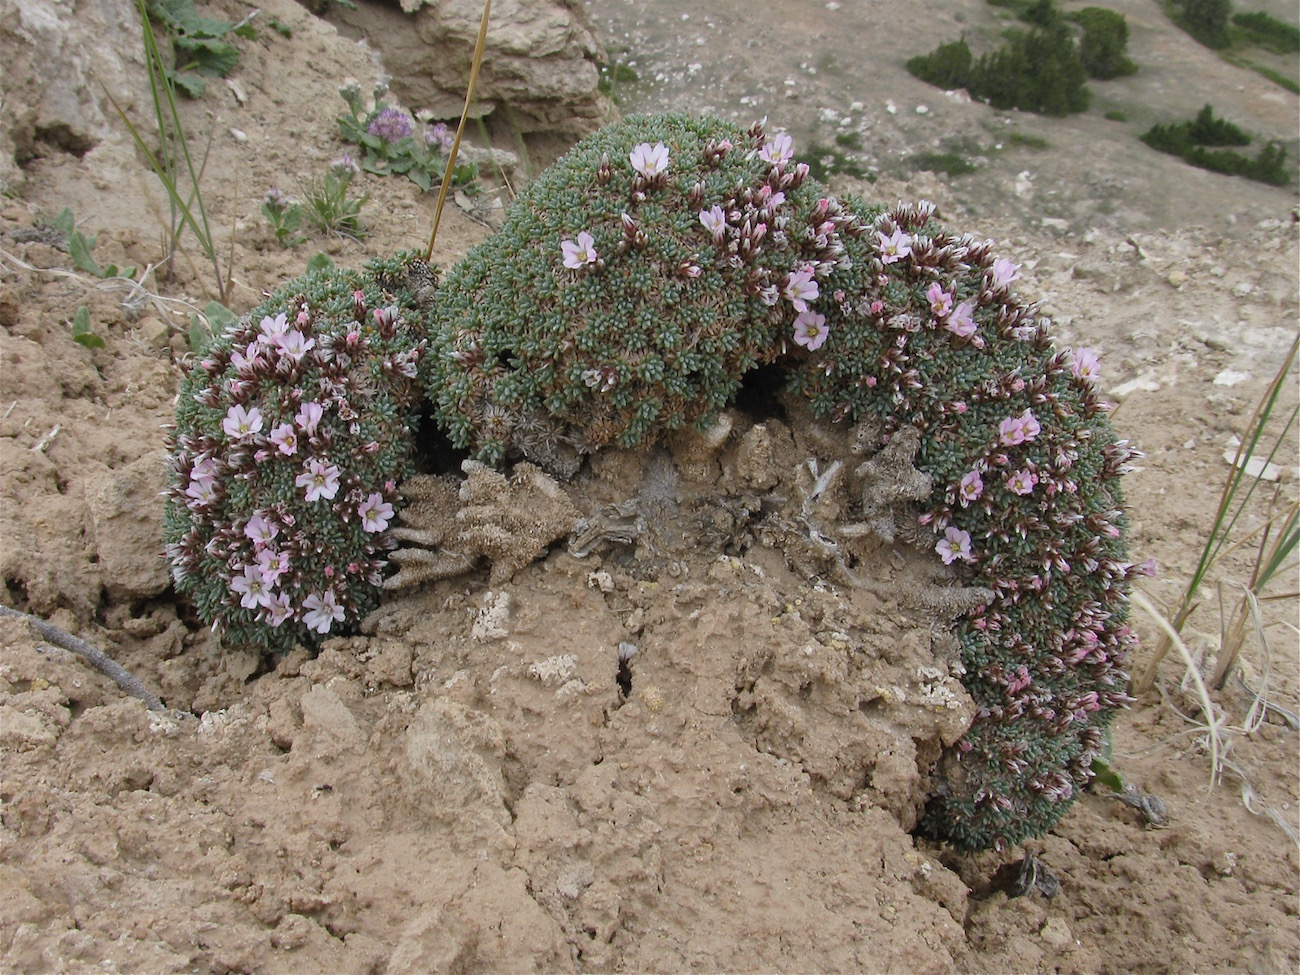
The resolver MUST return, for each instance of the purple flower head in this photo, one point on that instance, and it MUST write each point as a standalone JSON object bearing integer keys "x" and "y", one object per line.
{"x": 438, "y": 136}
{"x": 392, "y": 125}
{"x": 1086, "y": 364}
{"x": 345, "y": 167}
{"x": 962, "y": 320}
{"x": 810, "y": 330}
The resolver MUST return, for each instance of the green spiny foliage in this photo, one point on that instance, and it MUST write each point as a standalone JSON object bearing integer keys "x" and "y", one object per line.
{"x": 924, "y": 331}
{"x": 630, "y": 288}
{"x": 291, "y": 435}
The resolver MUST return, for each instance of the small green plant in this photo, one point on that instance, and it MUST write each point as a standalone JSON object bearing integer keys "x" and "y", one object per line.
{"x": 174, "y": 164}
{"x": 389, "y": 145}
{"x": 1198, "y": 142}
{"x": 948, "y": 163}
{"x": 1275, "y": 541}
{"x": 613, "y": 74}
{"x": 1116, "y": 115}
{"x": 284, "y": 216}
{"x": 326, "y": 207}
{"x": 199, "y": 45}
{"x": 1023, "y": 140}
{"x": 1260, "y": 29}
{"x": 826, "y": 161}
{"x": 81, "y": 333}
{"x": 1104, "y": 45}
{"x": 80, "y": 247}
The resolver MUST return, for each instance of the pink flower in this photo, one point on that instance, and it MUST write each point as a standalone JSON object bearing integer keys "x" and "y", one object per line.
{"x": 200, "y": 492}
{"x": 246, "y": 361}
{"x": 962, "y": 321}
{"x": 285, "y": 438}
{"x": 309, "y": 414}
{"x": 715, "y": 222}
{"x": 273, "y": 565}
{"x": 801, "y": 288}
{"x": 295, "y": 345}
{"x": 278, "y": 609}
{"x": 650, "y": 161}
{"x": 273, "y": 328}
{"x": 940, "y": 300}
{"x": 240, "y": 423}
{"x": 582, "y": 253}
{"x": 1018, "y": 429}
{"x": 954, "y": 545}
{"x": 810, "y": 330}
{"x": 1022, "y": 482}
{"x": 894, "y": 247}
{"x": 375, "y": 513}
{"x": 972, "y": 486}
{"x": 252, "y": 588}
{"x": 319, "y": 480}
{"x": 1003, "y": 273}
{"x": 778, "y": 151}
{"x": 322, "y": 611}
{"x": 259, "y": 530}
{"x": 1086, "y": 364}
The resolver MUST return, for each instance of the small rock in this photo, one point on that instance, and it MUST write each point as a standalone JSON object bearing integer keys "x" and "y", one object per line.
{"x": 1057, "y": 934}
{"x": 239, "y": 135}
{"x": 922, "y": 109}
{"x": 1230, "y": 377}
{"x": 1177, "y": 278}
{"x": 1242, "y": 288}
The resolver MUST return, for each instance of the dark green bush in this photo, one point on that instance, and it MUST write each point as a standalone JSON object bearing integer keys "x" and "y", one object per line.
{"x": 1199, "y": 142}
{"x": 1103, "y": 48}
{"x": 1206, "y": 130}
{"x": 1038, "y": 71}
{"x": 1268, "y": 32}
{"x": 1207, "y": 21}
{"x": 947, "y": 66}
{"x": 1042, "y": 13}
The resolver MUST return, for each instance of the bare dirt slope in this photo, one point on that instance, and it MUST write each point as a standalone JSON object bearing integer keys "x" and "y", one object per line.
{"x": 475, "y": 783}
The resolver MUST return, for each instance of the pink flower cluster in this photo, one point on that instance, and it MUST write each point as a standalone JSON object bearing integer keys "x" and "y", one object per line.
{"x": 959, "y": 320}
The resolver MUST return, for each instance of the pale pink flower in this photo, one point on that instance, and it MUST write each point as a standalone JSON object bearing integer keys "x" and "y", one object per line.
{"x": 650, "y": 161}
{"x": 273, "y": 328}
{"x": 801, "y": 288}
{"x": 319, "y": 480}
{"x": 895, "y": 246}
{"x": 1086, "y": 364}
{"x": 810, "y": 330}
{"x": 240, "y": 423}
{"x": 295, "y": 345}
{"x": 246, "y": 361}
{"x": 940, "y": 300}
{"x": 285, "y": 439}
{"x": 278, "y": 609}
{"x": 715, "y": 221}
{"x": 251, "y": 587}
{"x": 1018, "y": 429}
{"x": 273, "y": 565}
{"x": 580, "y": 254}
{"x": 972, "y": 486}
{"x": 962, "y": 320}
{"x": 260, "y": 530}
{"x": 1003, "y": 273}
{"x": 200, "y": 492}
{"x": 322, "y": 611}
{"x": 954, "y": 545}
{"x": 1022, "y": 482}
{"x": 375, "y": 513}
{"x": 309, "y": 414}
{"x": 204, "y": 467}
{"x": 778, "y": 151}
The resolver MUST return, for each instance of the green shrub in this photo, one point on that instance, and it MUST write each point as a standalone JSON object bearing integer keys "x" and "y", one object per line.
{"x": 1207, "y": 21}
{"x": 1035, "y": 71}
{"x": 947, "y": 66}
{"x": 1104, "y": 45}
{"x": 1268, "y": 32}
{"x": 1198, "y": 142}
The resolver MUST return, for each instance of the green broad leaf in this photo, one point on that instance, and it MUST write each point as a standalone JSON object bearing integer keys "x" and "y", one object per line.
{"x": 66, "y": 222}
{"x": 81, "y": 332}
{"x": 181, "y": 17}
{"x": 187, "y": 83}
{"x": 79, "y": 247}
{"x": 319, "y": 261}
{"x": 1107, "y": 776}
{"x": 420, "y": 177}
{"x": 208, "y": 56}
{"x": 219, "y": 316}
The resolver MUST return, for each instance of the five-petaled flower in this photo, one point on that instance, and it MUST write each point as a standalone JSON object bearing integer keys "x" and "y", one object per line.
{"x": 319, "y": 480}
{"x": 1086, "y": 364}
{"x": 954, "y": 545}
{"x": 810, "y": 330}
{"x": 714, "y": 221}
{"x": 260, "y": 530}
{"x": 650, "y": 161}
{"x": 1022, "y": 482}
{"x": 1018, "y": 429}
{"x": 801, "y": 288}
{"x": 375, "y": 513}
{"x": 240, "y": 423}
{"x": 273, "y": 328}
{"x": 322, "y": 611}
{"x": 309, "y": 414}
{"x": 251, "y": 587}
{"x": 580, "y": 254}
{"x": 940, "y": 300}
{"x": 894, "y": 247}
{"x": 972, "y": 486}
{"x": 273, "y": 564}
{"x": 1003, "y": 273}
{"x": 295, "y": 345}
{"x": 962, "y": 320}
{"x": 278, "y": 609}
{"x": 779, "y": 151}
{"x": 285, "y": 439}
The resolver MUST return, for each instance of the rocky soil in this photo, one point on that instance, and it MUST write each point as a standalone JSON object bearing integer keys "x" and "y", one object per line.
{"x": 694, "y": 746}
